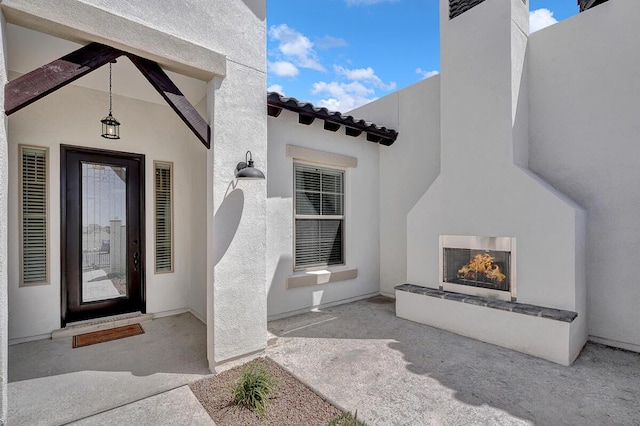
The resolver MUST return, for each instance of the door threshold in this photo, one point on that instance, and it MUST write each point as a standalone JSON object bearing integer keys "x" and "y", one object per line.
{"x": 98, "y": 324}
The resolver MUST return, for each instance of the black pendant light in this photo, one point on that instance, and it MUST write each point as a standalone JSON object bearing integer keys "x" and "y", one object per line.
{"x": 110, "y": 126}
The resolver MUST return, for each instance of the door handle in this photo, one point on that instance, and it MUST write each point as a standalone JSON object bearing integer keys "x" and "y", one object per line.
{"x": 135, "y": 260}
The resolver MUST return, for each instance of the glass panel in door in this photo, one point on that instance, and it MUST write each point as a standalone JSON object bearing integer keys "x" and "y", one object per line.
{"x": 104, "y": 232}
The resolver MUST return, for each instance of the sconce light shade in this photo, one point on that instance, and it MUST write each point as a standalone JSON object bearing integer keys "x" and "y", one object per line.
{"x": 110, "y": 127}
{"x": 245, "y": 169}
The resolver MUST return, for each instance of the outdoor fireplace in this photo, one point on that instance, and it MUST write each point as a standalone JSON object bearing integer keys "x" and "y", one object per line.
{"x": 480, "y": 266}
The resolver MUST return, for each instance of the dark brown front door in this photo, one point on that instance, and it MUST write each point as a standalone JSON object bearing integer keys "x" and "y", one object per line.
{"x": 102, "y": 228}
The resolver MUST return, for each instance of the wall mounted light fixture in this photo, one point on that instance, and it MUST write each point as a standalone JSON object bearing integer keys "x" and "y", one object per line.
{"x": 110, "y": 126}
{"x": 245, "y": 169}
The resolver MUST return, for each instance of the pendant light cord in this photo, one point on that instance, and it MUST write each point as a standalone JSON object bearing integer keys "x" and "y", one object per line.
{"x": 110, "y": 101}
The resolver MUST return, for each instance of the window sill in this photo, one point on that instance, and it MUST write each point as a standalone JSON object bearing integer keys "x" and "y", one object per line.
{"x": 323, "y": 276}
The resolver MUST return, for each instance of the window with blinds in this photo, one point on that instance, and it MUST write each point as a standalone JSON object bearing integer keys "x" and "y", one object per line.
{"x": 319, "y": 216}
{"x": 33, "y": 214}
{"x": 164, "y": 216}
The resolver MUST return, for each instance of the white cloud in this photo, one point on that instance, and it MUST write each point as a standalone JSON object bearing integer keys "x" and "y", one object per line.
{"x": 343, "y": 96}
{"x": 276, "y": 88}
{"x": 367, "y": 2}
{"x": 295, "y": 47}
{"x": 540, "y": 18}
{"x": 339, "y": 89}
{"x": 367, "y": 75}
{"x": 330, "y": 42}
{"x": 426, "y": 74}
{"x": 358, "y": 88}
{"x": 283, "y": 69}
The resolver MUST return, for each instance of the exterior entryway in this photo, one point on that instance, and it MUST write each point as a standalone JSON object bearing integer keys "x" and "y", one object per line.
{"x": 102, "y": 226}
{"x": 50, "y": 383}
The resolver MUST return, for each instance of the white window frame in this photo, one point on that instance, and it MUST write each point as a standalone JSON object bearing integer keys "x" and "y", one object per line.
{"x": 342, "y": 217}
{"x": 155, "y": 218}
{"x": 47, "y": 280}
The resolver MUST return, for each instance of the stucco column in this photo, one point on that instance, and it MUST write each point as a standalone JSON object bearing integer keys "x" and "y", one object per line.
{"x": 4, "y": 189}
{"x": 237, "y": 297}
{"x": 482, "y": 62}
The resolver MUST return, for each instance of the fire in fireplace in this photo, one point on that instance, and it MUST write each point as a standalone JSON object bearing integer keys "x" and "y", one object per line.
{"x": 486, "y": 269}
{"x": 481, "y": 266}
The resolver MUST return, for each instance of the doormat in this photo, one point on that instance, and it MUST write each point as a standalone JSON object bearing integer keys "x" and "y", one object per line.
{"x": 106, "y": 335}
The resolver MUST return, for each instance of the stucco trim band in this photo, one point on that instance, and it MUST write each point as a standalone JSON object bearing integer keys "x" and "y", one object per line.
{"x": 311, "y": 278}
{"x": 322, "y": 157}
{"x": 82, "y": 23}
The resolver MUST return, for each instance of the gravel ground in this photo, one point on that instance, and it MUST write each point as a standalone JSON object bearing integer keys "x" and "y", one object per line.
{"x": 292, "y": 403}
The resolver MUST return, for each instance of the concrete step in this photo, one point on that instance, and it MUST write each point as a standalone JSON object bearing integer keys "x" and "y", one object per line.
{"x": 99, "y": 324}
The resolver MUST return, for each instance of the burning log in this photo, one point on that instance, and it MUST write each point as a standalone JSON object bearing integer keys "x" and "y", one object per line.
{"x": 482, "y": 264}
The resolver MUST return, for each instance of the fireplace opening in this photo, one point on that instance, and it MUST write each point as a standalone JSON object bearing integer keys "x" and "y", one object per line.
{"x": 478, "y": 266}
{"x": 488, "y": 269}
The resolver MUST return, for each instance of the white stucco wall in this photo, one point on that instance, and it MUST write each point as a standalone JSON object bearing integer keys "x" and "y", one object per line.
{"x": 129, "y": 26}
{"x": 584, "y": 128}
{"x": 407, "y": 168}
{"x": 221, "y": 42}
{"x": 361, "y": 220}
{"x": 4, "y": 204}
{"x": 537, "y": 336}
{"x": 238, "y": 306}
{"x": 71, "y": 116}
{"x": 232, "y": 27}
{"x": 236, "y": 281}
{"x": 481, "y": 190}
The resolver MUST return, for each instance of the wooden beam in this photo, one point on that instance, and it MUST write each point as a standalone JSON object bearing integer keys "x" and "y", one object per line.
{"x": 374, "y": 138}
{"x": 332, "y": 127}
{"x": 174, "y": 97}
{"x": 273, "y": 111}
{"x": 27, "y": 89}
{"x": 305, "y": 119}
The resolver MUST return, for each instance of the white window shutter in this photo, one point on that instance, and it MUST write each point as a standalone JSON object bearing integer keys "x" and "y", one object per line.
{"x": 164, "y": 217}
{"x": 34, "y": 215}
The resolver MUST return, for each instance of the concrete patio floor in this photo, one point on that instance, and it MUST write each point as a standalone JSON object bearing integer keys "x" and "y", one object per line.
{"x": 395, "y": 372}
{"x": 359, "y": 355}
{"x": 137, "y": 380}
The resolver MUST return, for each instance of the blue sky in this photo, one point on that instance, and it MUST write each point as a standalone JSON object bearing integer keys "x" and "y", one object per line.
{"x": 341, "y": 54}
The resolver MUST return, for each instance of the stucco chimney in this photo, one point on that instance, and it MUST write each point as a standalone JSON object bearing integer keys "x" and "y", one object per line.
{"x": 485, "y": 189}
{"x": 483, "y": 111}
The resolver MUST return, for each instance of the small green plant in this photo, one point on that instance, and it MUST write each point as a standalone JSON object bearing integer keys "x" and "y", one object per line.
{"x": 347, "y": 419}
{"x": 253, "y": 388}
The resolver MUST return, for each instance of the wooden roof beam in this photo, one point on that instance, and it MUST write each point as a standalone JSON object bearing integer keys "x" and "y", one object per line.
{"x": 332, "y": 127}
{"x": 35, "y": 85}
{"x": 273, "y": 111}
{"x": 174, "y": 97}
{"x": 305, "y": 119}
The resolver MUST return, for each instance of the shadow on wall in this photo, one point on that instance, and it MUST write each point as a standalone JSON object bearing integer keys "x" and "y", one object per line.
{"x": 281, "y": 300}
{"x": 478, "y": 373}
{"x": 276, "y": 293}
{"x": 226, "y": 222}
{"x": 258, "y": 7}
